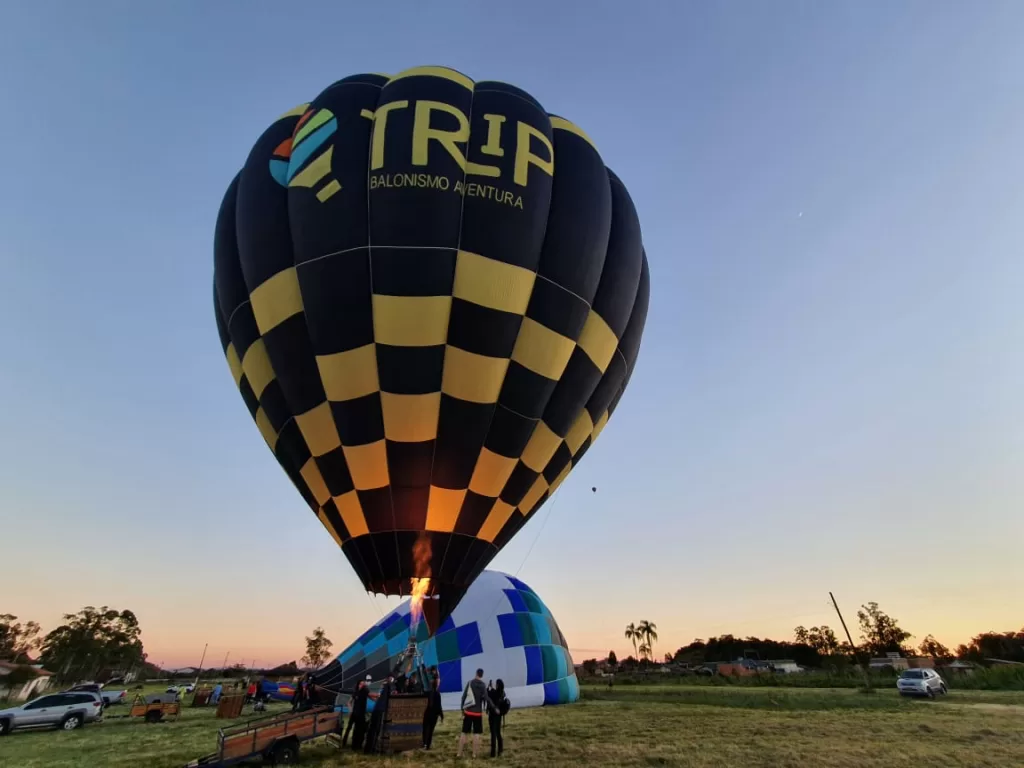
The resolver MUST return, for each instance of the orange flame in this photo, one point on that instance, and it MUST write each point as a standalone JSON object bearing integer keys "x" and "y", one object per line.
{"x": 421, "y": 552}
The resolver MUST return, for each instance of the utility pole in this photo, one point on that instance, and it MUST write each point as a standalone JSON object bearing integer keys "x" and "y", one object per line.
{"x": 853, "y": 648}
{"x": 200, "y": 672}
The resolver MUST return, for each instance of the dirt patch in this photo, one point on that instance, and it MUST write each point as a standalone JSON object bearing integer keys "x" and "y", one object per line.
{"x": 1009, "y": 708}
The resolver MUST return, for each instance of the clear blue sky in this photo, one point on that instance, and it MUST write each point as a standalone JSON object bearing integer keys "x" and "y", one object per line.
{"x": 829, "y": 391}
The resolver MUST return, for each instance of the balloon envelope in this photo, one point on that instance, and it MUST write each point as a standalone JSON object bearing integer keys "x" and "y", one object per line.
{"x": 431, "y": 295}
{"x": 501, "y": 626}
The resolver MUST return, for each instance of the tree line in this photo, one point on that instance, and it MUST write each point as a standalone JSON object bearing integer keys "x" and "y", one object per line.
{"x": 86, "y": 644}
{"x": 820, "y": 646}
{"x": 103, "y": 641}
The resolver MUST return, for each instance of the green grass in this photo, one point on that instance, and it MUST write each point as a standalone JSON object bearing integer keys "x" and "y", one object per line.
{"x": 998, "y": 678}
{"x": 701, "y": 727}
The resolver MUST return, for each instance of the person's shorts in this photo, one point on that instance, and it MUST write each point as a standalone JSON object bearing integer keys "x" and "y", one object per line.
{"x": 472, "y": 724}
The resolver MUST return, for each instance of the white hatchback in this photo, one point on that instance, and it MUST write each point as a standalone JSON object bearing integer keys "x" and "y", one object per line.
{"x": 920, "y": 682}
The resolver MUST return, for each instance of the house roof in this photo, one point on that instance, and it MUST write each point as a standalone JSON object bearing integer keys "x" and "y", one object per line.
{"x": 6, "y": 667}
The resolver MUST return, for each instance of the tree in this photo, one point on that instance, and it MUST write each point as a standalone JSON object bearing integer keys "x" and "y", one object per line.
{"x": 633, "y": 635}
{"x": 1007, "y": 646}
{"x": 590, "y": 666}
{"x": 649, "y": 632}
{"x": 668, "y": 658}
{"x": 822, "y": 639}
{"x": 93, "y": 640}
{"x": 613, "y": 660}
{"x": 932, "y": 647}
{"x": 645, "y": 651}
{"x": 881, "y": 633}
{"x": 236, "y": 670}
{"x": 729, "y": 648}
{"x": 16, "y": 641}
{"x": 318, "y": 649}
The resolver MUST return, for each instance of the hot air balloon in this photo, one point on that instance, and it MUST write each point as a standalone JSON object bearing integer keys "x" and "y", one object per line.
{"x": 430, "y": 293}
{"x": 501, "y": 625}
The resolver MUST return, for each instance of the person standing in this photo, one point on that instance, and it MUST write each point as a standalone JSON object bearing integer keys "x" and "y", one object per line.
{"x": 475, "y": 693}
{"x": 358, "y": 716}
{"x": 497, "y": 707}
{"x": 433, "y": 711}
{"x": 380, "y": 709}
{"x": 299, "y": 695}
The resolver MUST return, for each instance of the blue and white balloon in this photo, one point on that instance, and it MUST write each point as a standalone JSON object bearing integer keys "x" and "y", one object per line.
{"x": 501, "y": 626}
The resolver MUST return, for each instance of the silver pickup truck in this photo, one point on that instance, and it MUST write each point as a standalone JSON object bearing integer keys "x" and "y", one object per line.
{"x": 108, "y": 695}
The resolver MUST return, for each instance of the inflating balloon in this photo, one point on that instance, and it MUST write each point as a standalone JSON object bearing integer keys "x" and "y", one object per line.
{"x": 431, "y": 294}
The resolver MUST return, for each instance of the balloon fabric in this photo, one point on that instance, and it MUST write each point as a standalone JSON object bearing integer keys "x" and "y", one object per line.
{"x": 431, "y": 295}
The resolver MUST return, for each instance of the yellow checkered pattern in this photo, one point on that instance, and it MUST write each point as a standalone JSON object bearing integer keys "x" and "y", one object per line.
{"x": 419, "y": 321}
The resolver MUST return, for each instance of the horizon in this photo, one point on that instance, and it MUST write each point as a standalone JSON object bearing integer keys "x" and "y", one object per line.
{"x": 827, "y": 395}
{"x": 246, "y": 655}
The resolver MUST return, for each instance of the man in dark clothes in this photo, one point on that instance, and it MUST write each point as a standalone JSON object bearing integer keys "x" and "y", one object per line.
{"x": 299, "y": 695}
{"x": 380, "y": 708}
{"x": 358, "y": 716}
{"x": 433, "y": 711}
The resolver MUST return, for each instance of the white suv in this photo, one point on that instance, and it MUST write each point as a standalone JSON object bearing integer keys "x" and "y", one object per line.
{"x": 920, "y": 682}
{"x": 68, "y": 710}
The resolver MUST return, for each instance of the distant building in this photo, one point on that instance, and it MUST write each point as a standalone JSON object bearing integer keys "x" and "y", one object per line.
{"x": 27, "y": 690}
{"x": 959, "y": 667}
{"x": 890, "y": 661}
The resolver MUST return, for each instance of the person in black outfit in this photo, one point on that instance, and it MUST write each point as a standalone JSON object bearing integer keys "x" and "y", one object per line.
{"x": 358, "y": 716}
{"x": 495, "y": 708}
{"x": 380, "y": 709}
{"x": 433, "y": 711}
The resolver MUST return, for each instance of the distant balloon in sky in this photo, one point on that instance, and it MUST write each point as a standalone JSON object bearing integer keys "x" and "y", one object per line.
{"x": 431, "y": 295}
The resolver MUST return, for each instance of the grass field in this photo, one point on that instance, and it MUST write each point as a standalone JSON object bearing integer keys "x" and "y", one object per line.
{"x": 630, "y": 726}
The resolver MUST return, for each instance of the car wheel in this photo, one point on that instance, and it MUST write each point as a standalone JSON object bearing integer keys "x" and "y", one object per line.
{"x": 71, "y": 722}
{"x": 943, "y": 689}
{"x": 930, "y": 693}
{"x": 5, "y": 727}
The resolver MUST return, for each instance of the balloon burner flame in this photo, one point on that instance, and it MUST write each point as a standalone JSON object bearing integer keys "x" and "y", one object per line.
{"x": 420, "y": 588}
{"x": 421, "y": 552}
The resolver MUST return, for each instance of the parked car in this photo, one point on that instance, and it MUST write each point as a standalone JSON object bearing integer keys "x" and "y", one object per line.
{"x": 184, "y": 688}
{"x": 106, "y": 695}
{"x": 920, "y": 682}
{"x": 67, "y": 710}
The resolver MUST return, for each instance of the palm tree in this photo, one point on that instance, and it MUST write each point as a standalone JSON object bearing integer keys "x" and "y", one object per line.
{"x": 648, "y": 631}
{"x": 645, "y": 650}
{"x": 633, "y": 634}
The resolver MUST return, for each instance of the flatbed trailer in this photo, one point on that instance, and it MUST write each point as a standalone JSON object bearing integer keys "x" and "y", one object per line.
{"x": 153, "y": 708}
{"x": 276, "y": 739}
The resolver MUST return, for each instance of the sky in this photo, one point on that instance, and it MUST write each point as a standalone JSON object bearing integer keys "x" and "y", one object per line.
{"x": 829, "y": 391}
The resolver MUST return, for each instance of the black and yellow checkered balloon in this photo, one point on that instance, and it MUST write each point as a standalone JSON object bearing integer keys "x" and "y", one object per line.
{"x": 431, "y": 295}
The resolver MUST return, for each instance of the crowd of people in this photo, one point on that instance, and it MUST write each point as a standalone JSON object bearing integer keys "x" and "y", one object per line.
{"x": 478, "y": 700}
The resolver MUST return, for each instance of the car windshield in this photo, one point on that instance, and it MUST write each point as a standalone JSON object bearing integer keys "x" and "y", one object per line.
{"x": 913, "y": 674}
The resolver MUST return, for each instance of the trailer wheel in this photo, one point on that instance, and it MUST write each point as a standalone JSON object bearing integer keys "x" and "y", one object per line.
{"x": 285, "y": 753}
{"x": 154, "y": 716}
